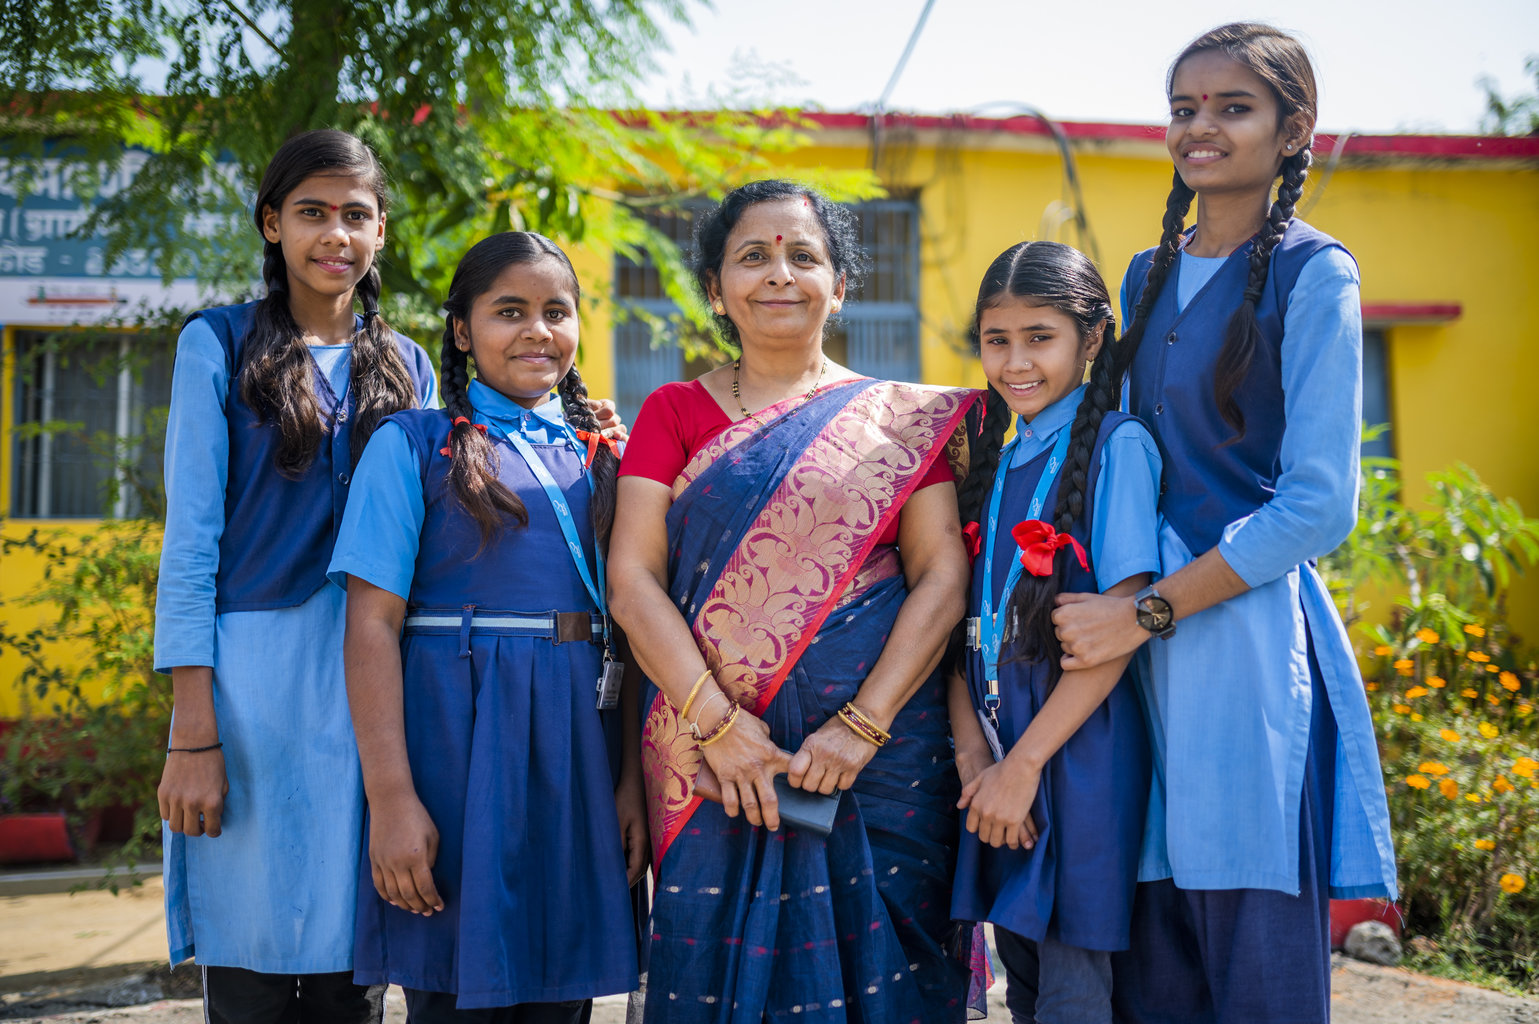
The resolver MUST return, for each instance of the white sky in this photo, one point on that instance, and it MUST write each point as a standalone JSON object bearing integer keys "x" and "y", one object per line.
{"x": 1391, "y": 65}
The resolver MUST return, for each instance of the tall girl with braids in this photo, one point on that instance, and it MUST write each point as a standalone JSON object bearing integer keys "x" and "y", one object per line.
{"x": 271, "y": 404}
{"x": 501, "y": 824}
{"x": 1245, "y": 342}
{"x": 1054, "y": 765}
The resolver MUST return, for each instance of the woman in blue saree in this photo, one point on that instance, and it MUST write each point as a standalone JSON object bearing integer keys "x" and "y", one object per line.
{"x": 756, "y": 568}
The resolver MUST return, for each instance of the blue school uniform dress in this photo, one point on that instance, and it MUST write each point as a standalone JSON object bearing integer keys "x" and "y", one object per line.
{"x": 1076, "y": 884}
{"x": 510, "y": 756}
{"x": 243, "y": 589}
{"x": 1267, "y": 775}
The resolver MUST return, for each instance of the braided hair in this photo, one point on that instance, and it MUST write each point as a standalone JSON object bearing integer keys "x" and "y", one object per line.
{"x": 1278, "y": 60}
{"x": 473, "y": 473}
{"x": 1063, "y": 278}
{"x": 276, "y": 375}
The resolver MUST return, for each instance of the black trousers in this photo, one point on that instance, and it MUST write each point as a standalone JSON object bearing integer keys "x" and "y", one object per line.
{"x": 438, "y": 1008}
{"x": 234, "y": 995}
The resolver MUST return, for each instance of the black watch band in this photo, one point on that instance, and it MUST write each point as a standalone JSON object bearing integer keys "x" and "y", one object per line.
{"x": 1154, "y": 613}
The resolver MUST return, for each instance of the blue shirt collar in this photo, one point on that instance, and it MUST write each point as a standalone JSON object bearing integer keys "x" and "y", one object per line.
{"x": 509, "y": 415}
{"x": 1036, "y": 437}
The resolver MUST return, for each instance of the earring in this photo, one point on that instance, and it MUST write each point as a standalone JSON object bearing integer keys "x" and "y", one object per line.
{"x": 1289, "y": 147}
{"x": 721, "y": 310}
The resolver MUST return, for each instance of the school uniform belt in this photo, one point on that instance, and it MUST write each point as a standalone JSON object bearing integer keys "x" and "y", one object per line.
{"x": 560, "y": 627}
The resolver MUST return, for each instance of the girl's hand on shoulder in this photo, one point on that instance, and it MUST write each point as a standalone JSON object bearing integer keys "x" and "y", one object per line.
{"x": 403, "y": 846}
{"x": 998, "y": 804}
{"x": 631, "y": 805}
{"x": 192, "y": 791}
{"x": 830, "y": 758}
{"x": 609, "y": 421}
{"x": 1096, "y": 628}
{"x": 746, "y": 761}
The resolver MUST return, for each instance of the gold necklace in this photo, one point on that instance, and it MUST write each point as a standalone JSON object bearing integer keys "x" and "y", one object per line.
{"x": 737, "y": 365}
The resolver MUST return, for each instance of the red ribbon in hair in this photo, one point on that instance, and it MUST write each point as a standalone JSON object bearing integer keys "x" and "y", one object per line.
{"x": 972, "y": 538}
{"x": 1040, "y": 542}
{"x": 446, "y": 449}
{"x": 594, "y": 439}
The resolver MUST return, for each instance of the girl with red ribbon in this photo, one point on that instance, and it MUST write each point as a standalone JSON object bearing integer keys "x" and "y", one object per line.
{"x": 1054, "y": 765}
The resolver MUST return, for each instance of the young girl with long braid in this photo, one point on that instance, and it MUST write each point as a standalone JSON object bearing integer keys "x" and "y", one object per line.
{"x": 1054, "y": 765}
{"x": 1245, "y": 348}
{"x": 482, "y": 671}
{"x": 271, "y": 404}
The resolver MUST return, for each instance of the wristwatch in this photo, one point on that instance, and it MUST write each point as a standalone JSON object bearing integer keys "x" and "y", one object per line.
{"x": 1154, "y": 613}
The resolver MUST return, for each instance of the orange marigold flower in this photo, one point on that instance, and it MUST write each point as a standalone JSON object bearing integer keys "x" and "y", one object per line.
{"x": 1474, "y": 630}
{"x": 1473, "y": 798}
{"x": 1525, "y": 709}
{"x": 1493, "y": 699}
{"x": 1511, "y": 883}
{"x": 1404, "y": 663}
{"x": 1418, "y": 782}
{"x": 1501, "y": 785}
{"x": 1485, "y": 844}
{"x": 1417, "y": 691}
{"x": 1415, "y": 716}
{"x": 1448, "y": 787}
{"x": 1436, "y": 682}
{"x": 1488, "y": 730}
{"x": 1432, "y": 768}
{"x": 1426, "y": 636}
{"x": 1383, "y": 649}
{"x": 1493, "y": 669}
{"x": 1525, "y": 767}
{"x": 1469, "y": 693}
{"x": 1402, "y": 709}
{"x": 1371, "y": 687}
{"x": 1479, "y": 657}
{"x": 1449, "y": 735}
{"x": 1509, "y": 682}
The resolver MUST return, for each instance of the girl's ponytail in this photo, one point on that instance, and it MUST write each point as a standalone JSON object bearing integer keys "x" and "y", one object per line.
{"x": 983, "y": 457}
{"x": 606, "y": 465}
{"x": 473, "y": 461}
{"x": 380, "y": 383}
{"x": 1242, "y": 333}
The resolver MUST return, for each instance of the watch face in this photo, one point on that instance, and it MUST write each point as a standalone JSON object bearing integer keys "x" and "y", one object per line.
{"x": 1154, "y": 613}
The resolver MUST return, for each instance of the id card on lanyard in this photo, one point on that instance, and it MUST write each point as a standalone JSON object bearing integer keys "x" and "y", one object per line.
{"x": 991, "y": 623}
{"x": 608, "y": 686}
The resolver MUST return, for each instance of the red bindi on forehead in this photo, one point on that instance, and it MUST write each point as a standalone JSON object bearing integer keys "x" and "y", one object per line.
{"x": 335, "y": 207}
{"x": 1204, "y": 97}
{"x": 778, "y": 237}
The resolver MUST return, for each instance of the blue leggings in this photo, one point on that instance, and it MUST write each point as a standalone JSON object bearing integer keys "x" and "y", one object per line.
{"x": 1241, "y": 956}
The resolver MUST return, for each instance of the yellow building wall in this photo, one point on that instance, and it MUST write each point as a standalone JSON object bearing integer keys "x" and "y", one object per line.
{"x": 1453, "y": 231}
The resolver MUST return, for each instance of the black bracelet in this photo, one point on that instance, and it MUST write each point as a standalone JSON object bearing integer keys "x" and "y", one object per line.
{"x": 193, "y": 750}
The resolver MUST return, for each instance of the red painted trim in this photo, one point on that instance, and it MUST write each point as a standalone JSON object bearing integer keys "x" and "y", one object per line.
{"x": 1473, "y": 147}
{"x": 1412, "y": 312}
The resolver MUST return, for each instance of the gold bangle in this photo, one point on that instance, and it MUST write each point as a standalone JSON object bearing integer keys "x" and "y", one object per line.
{"x": 693, "y": 690}
{"x": 721, "y": 726}
{"x": 861, "y": 725}
{"x": 694, "y": 727}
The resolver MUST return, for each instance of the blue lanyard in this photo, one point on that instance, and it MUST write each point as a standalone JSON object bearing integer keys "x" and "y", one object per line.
{"x": 991, "y": 631}
{"x": 568, "y": 527}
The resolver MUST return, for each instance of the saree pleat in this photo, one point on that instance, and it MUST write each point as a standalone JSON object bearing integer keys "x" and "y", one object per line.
{"x": 774, "y": 562}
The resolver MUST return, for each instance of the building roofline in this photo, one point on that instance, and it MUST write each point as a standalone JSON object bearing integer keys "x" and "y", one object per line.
{"x": 1459, "y": 147}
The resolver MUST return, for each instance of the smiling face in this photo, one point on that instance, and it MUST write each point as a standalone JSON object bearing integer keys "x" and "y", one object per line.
{"x": 522, "y": 331}
{"x": 776, "y": 281}
{"x": 330, "y": 227}
{"x": 1032, "y": 354}
{"x": 1225, "y": 134}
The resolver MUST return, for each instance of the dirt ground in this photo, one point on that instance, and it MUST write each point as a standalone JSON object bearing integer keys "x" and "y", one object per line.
{"x": 92, "y": 957}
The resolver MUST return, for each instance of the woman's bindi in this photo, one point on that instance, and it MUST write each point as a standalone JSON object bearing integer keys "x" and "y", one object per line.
{"x": 778, "y": 237}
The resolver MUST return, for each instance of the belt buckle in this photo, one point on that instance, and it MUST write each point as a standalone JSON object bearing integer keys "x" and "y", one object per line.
{"x": 571, "y": 627}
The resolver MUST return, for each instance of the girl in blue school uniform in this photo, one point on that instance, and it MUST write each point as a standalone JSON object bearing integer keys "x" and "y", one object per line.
{"x": 481, "y": 671}
{"x": 1245, "y": 347}
{"x": 1054, "y": 765}
{"x": 271, "y": 403}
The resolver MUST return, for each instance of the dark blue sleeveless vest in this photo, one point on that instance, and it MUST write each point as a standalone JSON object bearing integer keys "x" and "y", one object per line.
{"x": 1209, "y": 484}
{"x": 278, "y": 533}
{"x": 525, "y": 570}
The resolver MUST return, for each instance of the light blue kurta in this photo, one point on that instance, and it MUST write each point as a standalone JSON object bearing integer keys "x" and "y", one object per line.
{"x": 275, "y": 892}
{"x": 1230, "y": 693}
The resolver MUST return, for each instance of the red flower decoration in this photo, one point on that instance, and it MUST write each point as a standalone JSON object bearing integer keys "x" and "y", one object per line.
{"x": 972, "y": 537}
{"x": 1040, "y": 542}
{"x": 594, "y": 439}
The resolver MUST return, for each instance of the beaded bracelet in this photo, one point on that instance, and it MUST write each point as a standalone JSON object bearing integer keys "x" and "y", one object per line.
{"x": 693, "y": 691}
{"x": 694, "y": 727}
{"x": 721, "y": 726}
{"x": 194, "y": 750}
{"x": 862, "y": 726}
